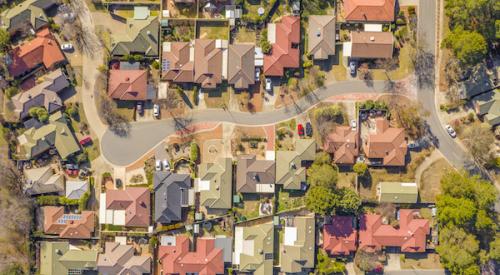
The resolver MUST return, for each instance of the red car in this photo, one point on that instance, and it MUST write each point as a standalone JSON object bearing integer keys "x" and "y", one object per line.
{"x": 300, "y": 130}
{"x": 85, "y": 141}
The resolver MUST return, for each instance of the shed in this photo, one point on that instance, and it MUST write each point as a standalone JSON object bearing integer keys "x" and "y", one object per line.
{"x": 397, "y": 192}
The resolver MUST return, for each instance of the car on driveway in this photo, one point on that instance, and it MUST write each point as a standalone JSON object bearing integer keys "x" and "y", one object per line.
{"x": 166, "y": 165}
{"x": 156, "y": 111}
{"x": 158, "y": 165}
{"x": 257, "y": 74}
{"x": 67, "y": 47}
{"x": 450, "y": 131}
{"x": 309, "y": 129}
{"x": 140, "y": 108}
{"x": 300, "y": 130}
{"x": 354, "y": 124}
{"x": 269, "y": 85}
{"x": 353, "y": 65}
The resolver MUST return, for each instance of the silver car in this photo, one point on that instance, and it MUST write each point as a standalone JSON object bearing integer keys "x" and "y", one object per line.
{"x": 450, "y": 131}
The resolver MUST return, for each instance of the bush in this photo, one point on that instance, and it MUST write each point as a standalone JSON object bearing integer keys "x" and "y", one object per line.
{"x": 11, "y": 91}
{"x": 360, "y": 168}
{"x": 155, "y": 65}
{"x": 72, "y": 110}
{"x": 195, "y": 152}
{"x": 153, "y": 241}
{"x": 39, "y": 113}
{"x": 82, "y": 203}
{"x": 411, "y": 10}
{"x": 55, "y": 200}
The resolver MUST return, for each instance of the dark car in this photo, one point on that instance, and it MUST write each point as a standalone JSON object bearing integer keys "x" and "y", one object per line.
{"x": 140, "y": 108}
{"x": 309, "y": 129}
{"x": 300, "y": 130}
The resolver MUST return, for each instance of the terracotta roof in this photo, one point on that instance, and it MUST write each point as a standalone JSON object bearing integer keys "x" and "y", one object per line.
{"x": 411, "y": 235}
{"x": 344, "y": 144}
{"x": 136, "y": 203}
{"x": 321, "y": 33}
{"x": 177, "y": 64}
{"x": 340, "y": 237}
{"x": 128, "y": 84}
{"x": 372, "y": 44}
{"x": 74, "y": 226}
{"x": 285, "y": 51}
{"x": 369, "y": 10}
{"x": 208, "y": 63}
{"x": 251, "y": 172}
{"x": 178, "y": 259}
{"x": 387, "y": 143}
{"x": 241, "y": 65}
{"x": 43, "y": 50}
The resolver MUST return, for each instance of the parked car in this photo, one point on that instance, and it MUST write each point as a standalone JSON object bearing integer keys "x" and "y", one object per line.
{"x": 450, "y": 131}
{"x": 156, "y": 111}
{"x": 354, "y": 124}
{"x": 353, "y": 65}
{"x": 158, "y": 165}
{"x": 269, "y": 85}
{"x": 300, "y": 129}
{"x": 67, "y": 47}
{"x": 140, "y": 108}
{"x": 413, "y": 145}
{"x": 257, "y": 74}
{"x": 85, "y": 141}
{"x": 309, "y": 129}
{"x": 166, "y": 165}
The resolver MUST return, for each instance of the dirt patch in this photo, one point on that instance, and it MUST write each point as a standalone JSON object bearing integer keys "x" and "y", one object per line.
{"x": 251, "y": 100}
{"x": 429, "y": 186}
{"x": 249, "y": 140}
{"x": 347, "y": 180}
{"x": 420, "y": 261}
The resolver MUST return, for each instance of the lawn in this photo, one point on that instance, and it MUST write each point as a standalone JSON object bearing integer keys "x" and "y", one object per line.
{"x": 429, "y": 185}
{"x": 404, "y": 69}
{"x": 126, "y": 109}
{"x": 218, "y": 98}
{"x": 338, "y": 71}
{"x": 125, "y": 13}
{"x": 292, "y": 199}
{"x": 245, "y": 35}
{"x": 212, "y": 30}
{"x": 420, "y": 261}
{"x": 347, "y": 180}
{"x": 250, "y": 207}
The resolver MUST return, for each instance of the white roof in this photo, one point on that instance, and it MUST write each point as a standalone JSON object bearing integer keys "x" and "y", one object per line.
{"x": 271, "y": 33}
{"x": 168, "y": 240}
{"x": 290, "y": 235}
{"x": 238, "y": 244}
{"x": 119, "y": 217}
{"x": 264, "y": 188}
{"x": 373, "y": 27}
{"x": 121, "y": 240}
{"x": 347, "y": 49}
{"x": 270, "y": 155}
{"x": 102, "y": 208}
{"x": 76, "y": 188}
{"x": 259, "y": 57}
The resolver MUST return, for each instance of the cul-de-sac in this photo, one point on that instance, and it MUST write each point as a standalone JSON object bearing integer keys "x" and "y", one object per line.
{"x": 240, "y": 137}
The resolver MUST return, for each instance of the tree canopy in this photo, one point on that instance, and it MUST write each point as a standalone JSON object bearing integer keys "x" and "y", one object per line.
{"x": 455, "y": 211}
{"x": 4, "y": 39}
{"x": 477, "y": 15}
{"x": 458, "y": 250}
{"x": 321, "y": 200}
{"x": 322, "y": 172}
{"x": 469, "y": 47}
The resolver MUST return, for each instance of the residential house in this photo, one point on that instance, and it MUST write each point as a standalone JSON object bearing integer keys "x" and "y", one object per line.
{"x": 71, "y": 226}
{"x": 241, "y": 65}
{"x": 178, "y": 62}
{"x": 476, "y": 84}
{"x": 340, "y": 235}
{"x": 43, "y": 181}
{"x": 290, "y": 165}
{"x": 321, "y": 34}
{"x": 55, "y": 134}
{"x": 369, "y": 45}
{"x": 141, "y": 36}
{"x": 397, "y": 192}
{"x": 285, "y": 40}
{"x": 410, "y": 237}
{"x": 44, "y": 95}
{"x": 29, "y": 14}
{"x": 489, "y": 108}
{"x": 297, "y": 252}
{"x": 128, "y": 85}
{"x": 255, "y": 176}
{"x": 387, "y": 146}
{"x": 254, "y": 248}
{"x": 343, "y": 143}
{"x": 178, "y": 258}
{"x": 76, "y": 188}
{"x": 43, "y": 51}
{"x": 171, "y": 192}
{"x": 215, "y": 184}
{"x": 369, "y": 10}
{"x": 122, "y": 259}
{"x": 128, "y": 207}
{"x": 61, "y": 258}
{"x": 210, "y": 56}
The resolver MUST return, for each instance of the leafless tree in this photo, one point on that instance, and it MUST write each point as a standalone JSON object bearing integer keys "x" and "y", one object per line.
{"x": 365, "y": 74}
{"x": 118, "y": 124}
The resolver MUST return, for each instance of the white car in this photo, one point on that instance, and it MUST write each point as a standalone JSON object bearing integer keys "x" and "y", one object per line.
{"x": 450, "y": 131}
{"x": 269, "y": 85}
{"x": 158, "y": 165}
{"x": 67, "y": 47}
{"x": 156, "y": 111}
{"x": 354, "y": 124}
{"x": 257, "y": 74}
{"x": 166, "y": 165}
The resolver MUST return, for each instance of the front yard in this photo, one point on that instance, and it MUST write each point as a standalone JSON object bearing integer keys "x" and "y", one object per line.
{"x": 429, "y": 185}
{"x": 420, "y": 261}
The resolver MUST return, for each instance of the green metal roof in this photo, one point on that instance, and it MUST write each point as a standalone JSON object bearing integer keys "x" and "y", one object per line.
{"x": 398, "y": 192}
{"x": 57, "y": 258}
{"x": 289, "y": 170}
{"x": 219, "y": 175}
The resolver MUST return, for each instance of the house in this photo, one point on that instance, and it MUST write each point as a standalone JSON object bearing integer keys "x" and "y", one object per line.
{"x": 128, "y": 85}
{"x": 44, "y": 95}
{"x": 488, "y": 107}
{"x": 43, "y": 181}
{"x": 397, "y": 192}
{"x": 255, "y": 176}
{"x": 409, "y": 237}
{"x": 76, "y": 188}
{"x": 122, "y": 259}
{"x": 285, "y": 40}
{"x": 321, "y": 34}
{"x": 254, "y": 248}
{"x": 171, "y": 195}
{"x": 340, "y": 236}
{"x": 387, "y": 145}
{"x": 128, "y": 207}
{"x": 215, "y": 184}
{"x": 476, "y": 83}
{"x": 290, "y": 170}
{"x": 71, "y": 226}
{"x": 178, "y": 258}
{"x": 343, "y": 143}
{"x": 61, "y": 258}
{"x": 241, "y": 65}
{"x": 43, "y": 51}
{"x": 297, "y": 252}
{"x": 178, "y": 62}
{"x": 55, "y": 134}
{"x": 369, "y": 45}
{"x": 208, "y": 65}
{"x": 29, "y": 14}
{"x": 140, "y": 36}
{"x": 369, "y": 10}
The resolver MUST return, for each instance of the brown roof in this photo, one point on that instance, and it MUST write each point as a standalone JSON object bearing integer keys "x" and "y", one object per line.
{"x": 177, "y": 63}
{"x": 128, "y": 84}
{"x": 250, "y": 172}
{"x": 372, "y": 44}
{"x": 387, "y": 143}
{"x": 74, "y": 226}
{"x": 321, "y": 33}
{"x": 369, "y": 10}
{"x": 208, "y": 63}
{"x": 344, "y": 144}
{"x": 285, "y": 51}
{"x": 135, "y": 200}
{"x": 241, "y": 65}
{"x": 121, "y": 259}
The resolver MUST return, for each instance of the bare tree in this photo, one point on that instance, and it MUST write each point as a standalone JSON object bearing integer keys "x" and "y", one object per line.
{"x": 365, "y": 74}
{"x": 479, "y": 139}
{"x": 118, "y": 124}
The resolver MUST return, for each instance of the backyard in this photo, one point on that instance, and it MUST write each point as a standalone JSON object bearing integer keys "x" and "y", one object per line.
{"x": 212, "y": 30}
{"x": 290, "y": 200}
{"x": 246, "y": 35}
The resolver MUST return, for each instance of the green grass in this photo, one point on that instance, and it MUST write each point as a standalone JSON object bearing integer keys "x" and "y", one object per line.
{"x": 212, "y": 32}
{"x": 404, "y": 69}
{"x": 245, "y": 35}
{"x": 218, "y": 97}
{"x": 288, "y": 200}
{"x": 125, "y": 13}
{"x": 3, "y": 142}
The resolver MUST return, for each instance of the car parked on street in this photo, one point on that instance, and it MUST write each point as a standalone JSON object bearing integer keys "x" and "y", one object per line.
{"x": 156, "y": 111}
{"x": 309, "y": 129}
{"x": 300, "y": 130}
{"x": 450, "y": 131}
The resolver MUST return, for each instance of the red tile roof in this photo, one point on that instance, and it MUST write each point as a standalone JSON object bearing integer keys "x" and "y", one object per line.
{"x": 340, "y": 237}
{"x": 74, "y": 226}
{"x": 411, "y": 235}
{"x": 128, "y": 84}
{"x": 283, "y": 55}
{"x": 369, "y": 10}
{"x": 136, "y": 203}
{"x": 41, "y": 50}
{"x": 206, "y": 260}
{"x": 344, "y": 144}
{"x": 387, "y": 143}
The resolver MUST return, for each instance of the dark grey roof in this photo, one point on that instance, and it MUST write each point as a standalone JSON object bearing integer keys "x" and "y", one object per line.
{"x": 125, "y": 65}
{"x": 44, "y": 4}
{"x": 171, "y": 193}
{"x": 146, "y": 42}
{"x": 32, "y": 123}
{"x": 20, "y": 19}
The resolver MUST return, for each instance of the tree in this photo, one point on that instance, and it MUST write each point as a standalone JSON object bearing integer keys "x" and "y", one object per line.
{"x": 468, "y": 46}
{"x": 11, "y": 91}
{"x": 477, "y": 15}
{"x": 321, "y": 200}
{"x": 459, "y": 212}
{"x": 409, "y": 117}
{"x": 484, "y": 223}
{"x": 479, "y": 139}
{"x": 195, "y": 152}
{"x": 458, "y": 250}
{"x": 350, "y": 202}
{"x": 326, "y": 265}
{"x": 360, "y": 168}
{"x": 495, "y": 248}
{"x": 322, "y": 173}
{"x": 4, "y": 39}
{"x": 39, "y": 113}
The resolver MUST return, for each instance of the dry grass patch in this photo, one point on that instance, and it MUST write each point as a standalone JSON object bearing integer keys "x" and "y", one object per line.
{"x": 429, "y": 185}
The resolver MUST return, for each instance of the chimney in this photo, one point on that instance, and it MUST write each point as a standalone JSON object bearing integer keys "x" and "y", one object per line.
{"x": 372, "y": 38}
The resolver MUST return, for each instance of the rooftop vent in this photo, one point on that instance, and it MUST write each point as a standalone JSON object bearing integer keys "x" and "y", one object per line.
{"x": 372, "y": 38}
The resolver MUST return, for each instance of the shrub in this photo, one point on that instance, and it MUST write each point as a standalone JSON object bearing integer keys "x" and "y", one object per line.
{"x": 82, "y": 203}
{"x": 39, "y": 113}
{"x": 195, "y": 152}
{"x": 11, "y": 91}
{"x": 360, "y": 168}
{"x": 155, "y": 65}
